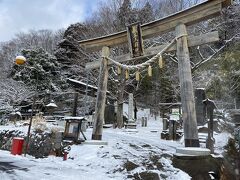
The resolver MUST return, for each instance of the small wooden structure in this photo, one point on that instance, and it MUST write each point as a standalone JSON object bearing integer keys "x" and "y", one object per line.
{"x": 81, "y": 87}
{"x": 73, "y": 128}
{"x": 167, "y": 108}
{"x": 172, "y": 120}
{"x": 25, "y": 108}
{"x": 90, "y": 90}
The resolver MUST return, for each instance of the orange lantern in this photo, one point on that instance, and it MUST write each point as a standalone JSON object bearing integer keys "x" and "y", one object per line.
{"x": 20, "y": 60}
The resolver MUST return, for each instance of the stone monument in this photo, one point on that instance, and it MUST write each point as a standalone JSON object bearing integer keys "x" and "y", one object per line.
{"x": 200, "y": 110}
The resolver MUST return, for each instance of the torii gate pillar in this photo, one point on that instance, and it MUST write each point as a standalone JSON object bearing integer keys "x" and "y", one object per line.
{"x": 101, "y": 96}
{"x": 187, "y": 97}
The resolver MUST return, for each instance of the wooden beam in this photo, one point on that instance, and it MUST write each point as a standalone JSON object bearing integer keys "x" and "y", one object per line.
{"x": 171, "y": 104}
{"x": 192, "y": 41}
{"x": 195, "y": 14}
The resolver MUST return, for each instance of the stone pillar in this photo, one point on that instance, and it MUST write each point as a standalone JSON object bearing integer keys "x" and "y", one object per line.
{"x": 171, "y": 133}
{"x": 172, "y": 130}
{"x": 143, "y": 119}
{"x": 130, "y": 108}
{"x": 200, "y": 95}
{"x": 146, "y": 120}
{"x": 165, "y": 123}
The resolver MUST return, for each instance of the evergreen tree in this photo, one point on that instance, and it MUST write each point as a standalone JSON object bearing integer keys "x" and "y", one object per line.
{"x": 41, "y": 71}
{"x": 146, "y": 13}
{"x": 126, "y": 15}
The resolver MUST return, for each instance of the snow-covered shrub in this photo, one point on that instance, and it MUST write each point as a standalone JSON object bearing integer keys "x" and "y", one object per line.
{"x": 231, "y": 158}
{"x": 40, "y": 127}
{"x": 40, "y": 144}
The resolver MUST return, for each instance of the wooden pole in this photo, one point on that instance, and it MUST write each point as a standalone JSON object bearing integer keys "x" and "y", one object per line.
{"x": 187, "y": 98}
{"x": 31, "y": 118}
{"x": 30, "y": 125}
{"x": 101, "y": 96}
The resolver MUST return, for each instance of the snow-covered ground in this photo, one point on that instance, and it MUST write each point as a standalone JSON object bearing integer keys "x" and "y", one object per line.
{"x": 126, "y": 154}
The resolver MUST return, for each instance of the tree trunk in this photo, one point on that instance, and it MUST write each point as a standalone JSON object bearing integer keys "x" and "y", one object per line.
{"x": 187, "y": 98}
{"x": 101, "y": 97}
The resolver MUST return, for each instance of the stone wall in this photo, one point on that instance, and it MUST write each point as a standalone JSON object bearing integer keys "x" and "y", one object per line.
{"x": 41, "y": 144}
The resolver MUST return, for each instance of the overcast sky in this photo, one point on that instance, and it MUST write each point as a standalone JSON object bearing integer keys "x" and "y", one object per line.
{"x": 23, "y": 15}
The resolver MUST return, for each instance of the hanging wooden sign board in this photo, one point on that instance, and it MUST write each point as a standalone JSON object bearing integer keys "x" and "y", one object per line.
{"x": 135, "y": 40}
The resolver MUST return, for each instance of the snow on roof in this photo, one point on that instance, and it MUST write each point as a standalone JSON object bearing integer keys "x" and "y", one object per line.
{"x": 51, "y": 105}
{"x": 18, "y": 113}
{"x": 82, "y": 83}
{"x": 73, "y": 118}
{"x": 21, "y": 57}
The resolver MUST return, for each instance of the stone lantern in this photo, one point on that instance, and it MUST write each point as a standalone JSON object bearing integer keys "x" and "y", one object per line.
{"x": 51, "y": 107}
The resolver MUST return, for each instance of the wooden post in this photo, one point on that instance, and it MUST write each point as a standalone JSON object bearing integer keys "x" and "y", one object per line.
{"x": 101, "y": 96}
{"x": 187, "y": 98}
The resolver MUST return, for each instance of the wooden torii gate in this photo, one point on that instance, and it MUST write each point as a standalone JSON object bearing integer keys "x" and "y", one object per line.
{"x": 177, "y": 21}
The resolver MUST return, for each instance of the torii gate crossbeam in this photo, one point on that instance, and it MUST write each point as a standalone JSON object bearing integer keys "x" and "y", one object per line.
{"x": 190, "y": 16}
